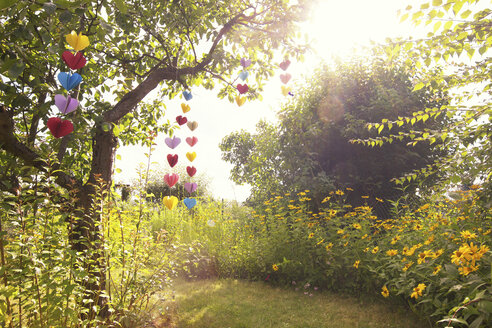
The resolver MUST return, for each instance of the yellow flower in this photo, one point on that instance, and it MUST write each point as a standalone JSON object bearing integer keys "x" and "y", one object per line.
{"x": 385, "y": 291}
{"x": 349, "y": 189}
{"x": 357, "y": 226}
{"x": 340, "y": 231}
{"x": 339, "y": 192}
{"x": 392, "y": 252}
{"x": 417, "y": 291}
{"x": 468, "y": 235}
{"x": 275, "y": 267}
{"x": 326, "y": 199}
{"x": 379, "y": 200}
{"x": 329, "y": 246}
{"x": 436, "y": 270}
{"x": 407, "y": 266}
{"x": 311, "y": 235}
{"x": 365, "y": 197}
{"x": 364, "y": 237}
{"x": 395, "y": 239}
{"x": 356, "y": 264}
{"x": 375, "y": 250}
{"x": 466, "y": 270}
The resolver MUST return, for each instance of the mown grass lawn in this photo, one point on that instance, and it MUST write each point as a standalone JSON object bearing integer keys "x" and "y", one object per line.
{"x": 242, "y": 304}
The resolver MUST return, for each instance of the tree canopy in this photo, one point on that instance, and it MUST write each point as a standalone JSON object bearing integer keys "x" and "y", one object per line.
{"x": 310, "y": 148}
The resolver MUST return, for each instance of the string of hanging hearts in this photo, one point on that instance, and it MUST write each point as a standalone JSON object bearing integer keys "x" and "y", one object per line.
{"x": 172, "y": 178}
{"x": 69, "y": 80}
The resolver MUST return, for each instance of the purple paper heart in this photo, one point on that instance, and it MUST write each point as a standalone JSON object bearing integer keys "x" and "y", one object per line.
{"x": 190, "y": 187}
{"x": 173, "y": 143}
{"x": 245, "y": 62}
{"x": 66, "y": 105}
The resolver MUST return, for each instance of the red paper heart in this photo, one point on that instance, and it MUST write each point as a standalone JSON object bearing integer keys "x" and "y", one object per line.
{"x": 171, "y": 179}
{"x": 58, "y": 127}
{"x": 191, "y": 170}
{"x": 74, "y": 61}
{"x": 181, "y": 120}
{"x": 285, "y": 64}
{"x": 191, "y": 141}
{"x": 285, "y": 78}
{"x": 172, "y": 159}
{"x": 242, "y": 88}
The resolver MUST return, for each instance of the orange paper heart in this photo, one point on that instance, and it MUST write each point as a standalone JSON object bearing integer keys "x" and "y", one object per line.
{"x": 192, "y": 125}
{"x": 191, "y": 156}
{"x": 240, "y": 100}
{"x": 186, "y": 108}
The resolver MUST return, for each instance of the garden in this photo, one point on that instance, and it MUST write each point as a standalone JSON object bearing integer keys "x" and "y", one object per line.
{"x": 371, "y": 194}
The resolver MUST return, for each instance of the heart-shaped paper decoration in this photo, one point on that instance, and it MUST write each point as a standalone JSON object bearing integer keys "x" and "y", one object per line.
{"x": 77, "y": 42}
{"x": 191, "y": 141}
{"x": 285, "y": 78}
{"x": 171, "y": 179}
{"x": 181, "y": 120}
{"x": 170, "y": 202}
{"x": 187, "y": 95}
{"x": 245, "y": 62}
{"x": 69, "y": 81}
{"x": 186, "y": 108}
{"x": 285, "y": 90}
{"x": 191, "y": 156}
{"x": 76, "y": 61}
{"x": 58, "y": 127}
{"x": 191, "y": 170}
{"x": 240, "y": 100}
{"x": 243, "y": 75}
{"x": 242, "y": 88}
{"x": 192, "y": 125}
{"x": 172, "y": 159}
{"x": 190, "y": 187}
{"x": 189, "y": 202}
{"x": 285, "y": 64}
{"x": 173, "y": 143}
{"x": 66, "y": 105}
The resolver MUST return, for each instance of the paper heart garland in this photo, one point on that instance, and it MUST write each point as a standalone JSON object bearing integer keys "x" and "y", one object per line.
{"x": 285, "y": 64}
{"x": 58, "y": 127}
{"x": 171, "y": 179}
{"x": 191, "y": 156}
{"x": 240, "y": 100}
{"x": 172, "y": 143}
{"x": 181, "y": 120}
{"x": 170, "y": 202}
{"x": 190, "y": 187}
{"x": 172, "y": 159}
{"x": 69, "y": 81}
{"x": 189, "y": 202}
{"x": 245, "y": 62}
{"x": 191, "y": 141}
{"x": 285, "y": 90}
{"x": 191, "y": 170}
{"x": 243, "y": 75}
{"x": 185, "y": 108}
{"x": 77, "y": 42}
{"x": 192, "y": 125}
{"x": 187, "y": 95}
{"x": 66, "y": 105}
{"x": 242, "y": 88}
{"x": 285, "y": 78}
{"x": 76, "y": 61}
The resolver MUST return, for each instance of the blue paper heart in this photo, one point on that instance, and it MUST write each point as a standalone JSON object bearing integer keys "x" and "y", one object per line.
{"x": 189, "y": 202}
{"x": 243, "y": 75}
{"x": 69, "y": 81}
{"x": 187, "y": 95}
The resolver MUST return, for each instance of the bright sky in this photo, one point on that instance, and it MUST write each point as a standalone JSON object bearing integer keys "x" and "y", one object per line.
{"x": 336, "y": 27}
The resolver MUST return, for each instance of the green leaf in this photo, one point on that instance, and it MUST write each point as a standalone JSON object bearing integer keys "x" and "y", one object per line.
{"x": 436, "y": 3}
{"x": 118, "y": 170}
{"x": 16, "y": 69}
{"x": 120, "y": 4}
{"x": 65, "y": 17}
{"x": 418, "y": 86}
{"x": 6, "y": 3}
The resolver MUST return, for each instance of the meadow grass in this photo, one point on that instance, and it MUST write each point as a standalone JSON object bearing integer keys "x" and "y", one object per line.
{"x": 242, "y": 304}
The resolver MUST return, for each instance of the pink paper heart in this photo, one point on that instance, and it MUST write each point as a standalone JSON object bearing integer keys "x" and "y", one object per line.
{"x": 173, "y": 143}
{"x": 242, "y": 88}
{"x": 285, "y": 64}
{"x": 192, "y": 141}
{"x": 66, "y": 105}
{"x": 190, "y": 187}
{"x": 171, "y": 179}
{"x": 285, "y": 78}
{"x": 245, "y": 62}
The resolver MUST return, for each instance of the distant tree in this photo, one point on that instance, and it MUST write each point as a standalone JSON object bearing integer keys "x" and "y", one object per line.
{"x": 310, "y": 147}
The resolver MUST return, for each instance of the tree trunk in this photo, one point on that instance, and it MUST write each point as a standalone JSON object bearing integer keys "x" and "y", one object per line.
{"x": 86, "y": 231}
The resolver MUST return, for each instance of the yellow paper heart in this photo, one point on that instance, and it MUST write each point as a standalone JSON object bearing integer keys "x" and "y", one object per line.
{"x": 192, "y": 125}
{"x": 186, "y": 108}
{"x": 285, "y": 90}
{"x": 191, "y": 156}
{"x": 240, "y": 100}
{"x": 170, "y": 202}
{"x": 77, "y": 42}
